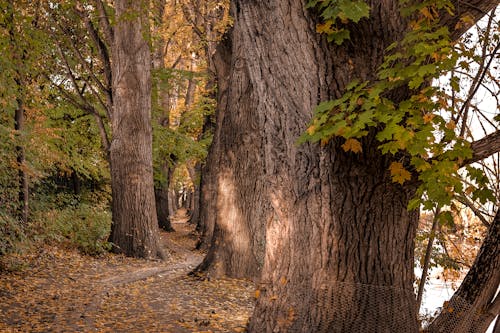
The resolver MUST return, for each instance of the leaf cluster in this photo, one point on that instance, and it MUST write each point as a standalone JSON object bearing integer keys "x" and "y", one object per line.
{"x": 416, "y": 126}
{"x": 336, "y": 14}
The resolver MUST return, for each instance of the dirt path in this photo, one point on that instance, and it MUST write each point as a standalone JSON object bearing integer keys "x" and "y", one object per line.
{"x": 63, "y": 291}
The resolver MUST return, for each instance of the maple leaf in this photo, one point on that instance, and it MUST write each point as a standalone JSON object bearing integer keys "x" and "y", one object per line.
{"x": 325, "y": 27}
{"x": 352, "y": 145}
{"x": 428, "y": 118}
{"x": 399, "y": 173}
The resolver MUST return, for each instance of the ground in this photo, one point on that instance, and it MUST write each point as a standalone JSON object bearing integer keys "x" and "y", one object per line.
{"x": 59, "y": 290}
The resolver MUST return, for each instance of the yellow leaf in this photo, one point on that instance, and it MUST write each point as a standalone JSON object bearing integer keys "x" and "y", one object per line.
{"x": 325, "y": 27}
{"x": 283, "y": 280}
{"x": 399, "y": 173}
{"x": 352, "y": 145}
{"x": 428, "y": 117}
{"x": 257, "y": 293}
{"x": 427, "y": 12}
{"x": 469, "y": 190}
{"x": 310, "y": 130}
{"x": 451, "y": 125}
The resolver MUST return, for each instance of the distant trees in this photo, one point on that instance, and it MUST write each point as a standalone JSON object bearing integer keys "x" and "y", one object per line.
{"x": 82, "y": 35}
{"x": 326, "y": 226}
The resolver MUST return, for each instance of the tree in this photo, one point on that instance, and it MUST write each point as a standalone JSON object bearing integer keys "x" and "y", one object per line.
{"x": 134, "y": 213}
{"x": 323, "y": 226}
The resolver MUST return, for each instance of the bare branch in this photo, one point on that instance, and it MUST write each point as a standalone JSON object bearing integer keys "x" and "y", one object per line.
{"x": 102, "y": 48}
{"x": 104, "y": 22}
{"x": 484, "y": 147}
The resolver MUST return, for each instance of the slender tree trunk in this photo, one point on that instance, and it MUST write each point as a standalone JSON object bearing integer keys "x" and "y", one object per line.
{"x": 23, "y": 185}
{"x": 135, "y": 226}
{"x": 427, "y": 259}
{"x": 75, "y": 180}
{"x": 475, "y": 304}
{"x": 194, "y": 209}
{"x": 19, "y": 114}
{"x": 162, "y": 202}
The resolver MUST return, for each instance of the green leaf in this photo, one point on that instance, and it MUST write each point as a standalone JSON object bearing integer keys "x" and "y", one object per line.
{"x": 354, "y": 10}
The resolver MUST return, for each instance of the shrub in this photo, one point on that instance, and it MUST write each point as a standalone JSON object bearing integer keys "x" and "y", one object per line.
{"x": 11, "y": 234}
{"x": 84, "y": 227}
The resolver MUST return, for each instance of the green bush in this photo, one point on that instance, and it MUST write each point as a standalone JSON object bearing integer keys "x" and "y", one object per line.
{"x": 84, "y": 227}
{"x": 11, "y": 234}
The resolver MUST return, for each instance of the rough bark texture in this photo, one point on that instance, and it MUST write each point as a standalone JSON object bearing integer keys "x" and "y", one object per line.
{"x": 475, "y": 304}
{"x": 221, "y": 63}
{"x": 336, "y": 229}
{"x": 135, "y": 226}
{"x": 327, "y": 232}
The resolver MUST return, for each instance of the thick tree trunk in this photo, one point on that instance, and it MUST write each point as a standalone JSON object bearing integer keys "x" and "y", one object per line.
{"x": 338, "y": 239}
{"x": 475, "y": 304}
{"x": 135, "y": 226}
{"x": 329, "y": 231}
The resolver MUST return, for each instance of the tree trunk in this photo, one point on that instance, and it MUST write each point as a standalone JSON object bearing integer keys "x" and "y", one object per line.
{"x": 135, "y": 226}
{"x": 23, "y": 185}
{"x": 162, "y": 202}
{"x": 220, "y": 66}
{"x": 475, "y": 304}
{"x": 19, "y": 56}
{"x": 328, "y": 229}
{"x": 194, "y": 197}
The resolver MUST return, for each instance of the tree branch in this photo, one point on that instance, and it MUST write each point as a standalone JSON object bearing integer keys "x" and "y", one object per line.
{"x": 101, "y": 46}
{"x": 104, "y": 22}
{"x": 473, "y": 10}
{"x": 484, "y": 148}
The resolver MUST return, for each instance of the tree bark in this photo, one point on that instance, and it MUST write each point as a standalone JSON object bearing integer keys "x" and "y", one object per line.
{"x": 220, "y": 67}
{"x": 327, "y": 232}
{"x": 475, "y": 304}
{"x": 162, "y": 202}
{"x": 135, "y": 227}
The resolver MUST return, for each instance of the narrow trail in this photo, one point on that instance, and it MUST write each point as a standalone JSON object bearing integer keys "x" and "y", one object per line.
{"x": 57, "y": 290}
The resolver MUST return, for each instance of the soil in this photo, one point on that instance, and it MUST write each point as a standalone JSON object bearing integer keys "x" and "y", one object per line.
{"x": 61, "y": 290}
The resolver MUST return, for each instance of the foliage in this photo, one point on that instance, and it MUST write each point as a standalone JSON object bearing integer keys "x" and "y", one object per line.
{"x": 420, "y": 130}
{"x": 83, "y": 226}
{"x": 336, "y": 14}
{"x": 12, "y": 234}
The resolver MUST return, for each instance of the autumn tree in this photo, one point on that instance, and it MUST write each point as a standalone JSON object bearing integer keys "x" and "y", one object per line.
{"x": 326, "y": 226}
{"x": 183, "y": 96}
{"x": 134, "y": 214}
{"x": 20, "y": 50}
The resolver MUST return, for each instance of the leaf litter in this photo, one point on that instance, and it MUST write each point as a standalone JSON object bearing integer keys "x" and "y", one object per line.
{"x": 61, "y": 290}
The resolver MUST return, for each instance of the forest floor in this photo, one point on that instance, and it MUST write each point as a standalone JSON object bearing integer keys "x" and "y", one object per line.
{"x": 60, "y": 290}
